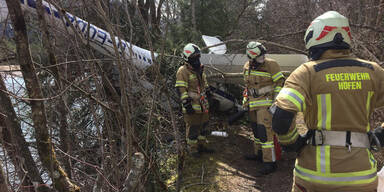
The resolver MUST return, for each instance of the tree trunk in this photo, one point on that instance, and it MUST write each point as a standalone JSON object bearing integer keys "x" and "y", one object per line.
{"x": 60, "y": 107}
{"x": 45, "y": 149}
{"x": 15, "y": 144}
{"x": 3, "y": 180}
{"x": 193, "y": 16}
{"x": 380, "y": 14}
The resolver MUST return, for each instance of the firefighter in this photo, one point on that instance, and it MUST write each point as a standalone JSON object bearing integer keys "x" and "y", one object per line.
{"x": 192, "y": 86}
{"x": 337, "y": 94}
{"x": 263, "y": 80}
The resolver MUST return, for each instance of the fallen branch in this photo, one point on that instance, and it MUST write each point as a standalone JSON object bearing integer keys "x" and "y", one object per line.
{"x": 259, "y": 40}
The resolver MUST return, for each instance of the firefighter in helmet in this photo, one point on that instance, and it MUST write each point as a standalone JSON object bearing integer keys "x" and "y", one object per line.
{"x": 263, "y": 80}
{"x": 337, "y": 94}
{"x": 192, "y": 86}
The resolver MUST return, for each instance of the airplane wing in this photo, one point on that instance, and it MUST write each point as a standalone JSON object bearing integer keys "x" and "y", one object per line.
{"x": 228, "y": 68}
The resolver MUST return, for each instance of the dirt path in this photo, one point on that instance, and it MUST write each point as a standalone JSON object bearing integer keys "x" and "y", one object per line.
{"x": 227, "y": 170}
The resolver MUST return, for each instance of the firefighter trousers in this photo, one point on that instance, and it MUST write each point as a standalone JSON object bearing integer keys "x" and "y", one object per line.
{"x": 300, "y": 185}
{"x": 196, "y": 129}
{"x": 261, "y": 124}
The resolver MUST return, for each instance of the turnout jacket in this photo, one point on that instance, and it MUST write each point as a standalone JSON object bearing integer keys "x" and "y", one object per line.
{"x": 262, "y": 84}
{"x": 336, "y": 93}
{"x": 193, "y": 84}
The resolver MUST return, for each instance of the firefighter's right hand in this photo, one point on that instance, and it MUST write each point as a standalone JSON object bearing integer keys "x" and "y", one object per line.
{"x": 378, "y": 135}
{"x": 187, "y": 104}
{"x": 297, "y": 145}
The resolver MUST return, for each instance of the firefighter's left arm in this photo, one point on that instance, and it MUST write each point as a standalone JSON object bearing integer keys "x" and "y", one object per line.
{"x": 284, "y": 124}
{"x": 277, "y": 77}
{"x": 278, "y": 85}
{"x": 182, "y": 83}
{"x": 293, "y": 98}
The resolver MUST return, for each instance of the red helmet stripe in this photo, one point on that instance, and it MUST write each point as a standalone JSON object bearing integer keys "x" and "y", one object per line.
{"x": 188, "y": 51}
{"x": 348, "y": 30}
{"x": 325, "y": 31}
{"x": 252, "y": 53}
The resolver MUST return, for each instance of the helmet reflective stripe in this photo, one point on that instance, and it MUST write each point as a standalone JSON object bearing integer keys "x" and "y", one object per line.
{"x": 255, "y": 49}
{"x": 190, "y": 50}
{"x": 324, "y": 28}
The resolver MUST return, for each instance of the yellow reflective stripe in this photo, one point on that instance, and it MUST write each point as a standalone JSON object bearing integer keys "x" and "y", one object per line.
{"x": 184, "y": 95}
{"x": 181, "y": 84}
{"x": 277, "y": 76}
{"x": 190, "y": 141}
{"x": 260, "y": 73}
{"x": 259, "y": 103}
{"x": 200, "y": 137}
{"x": 192, "y": 76}
{"x": 293, "y": 96}
{"x": 358, "y": 177}
{"x": 289, "y": 137}
{"x": 277, "y": 89}
{"x": 196, "y": 107}
{"x": 257, "y": 141}
{"x": 324, "y": 111}
{"x": 245, "y": 99}
{"x": 323, "y": 159}
{"x": 267, "y": 145}
{"x": 372, "y": 159}
{"x": 370, "y": 94}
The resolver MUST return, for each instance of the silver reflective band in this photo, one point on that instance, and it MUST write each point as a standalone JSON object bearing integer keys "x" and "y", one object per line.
{"x": 338, "y": 138}
{"x": 322, "y": 159}
{"x": 324, "y": 111}
{"x": 297, "y": 98}
{"x": 273, "y": 155}
{"x": 356, "y": 178}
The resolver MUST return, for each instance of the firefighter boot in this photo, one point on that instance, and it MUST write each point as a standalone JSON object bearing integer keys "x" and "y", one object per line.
{"x": 202, "y": 145}
{"x": 267, "y": 168}
{"x": 203, "y": 149}
{"x": 255, "y": 157}
{"x": 193, "y": 148}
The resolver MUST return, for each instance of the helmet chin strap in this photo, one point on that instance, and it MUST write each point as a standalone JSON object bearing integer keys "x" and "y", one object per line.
{"x": 256, "y": 62}
{"x": 195, "y": 63}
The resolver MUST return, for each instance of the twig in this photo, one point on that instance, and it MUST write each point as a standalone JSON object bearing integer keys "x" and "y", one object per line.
{"x": 193, "y": 184}
{"x": 2, "y": 114}
{"x": 368, "y": 27}
{"x": 97, "y": 168}
{"x": 259, "y": 40}
{"x": 202, "y": 173}
{"x": 368, "y": 51}
{"x": 47, "y": 98}
{"x": 21, "y": 182}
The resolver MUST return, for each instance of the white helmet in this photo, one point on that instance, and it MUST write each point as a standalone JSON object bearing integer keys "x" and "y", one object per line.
{"x": 327, "y": 30}
{"x": 190, "y": 50}
{"x": 255, "y": 49}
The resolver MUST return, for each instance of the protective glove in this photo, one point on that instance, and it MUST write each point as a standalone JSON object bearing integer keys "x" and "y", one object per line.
{"x": 187, "y": 104}
{"x": 208, "y": 93}
{"x": 298, "y": 145}
{"x": 377, "y": 137}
